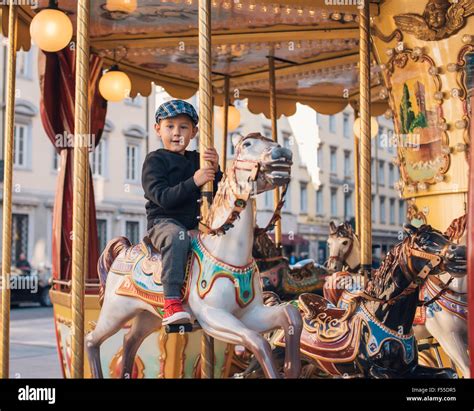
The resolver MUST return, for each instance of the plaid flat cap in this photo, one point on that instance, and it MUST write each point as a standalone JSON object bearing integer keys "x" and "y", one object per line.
{"x": 174, "y": 108}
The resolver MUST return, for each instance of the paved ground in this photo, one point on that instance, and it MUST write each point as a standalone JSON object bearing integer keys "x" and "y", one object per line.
{"x": 33, "y": 351}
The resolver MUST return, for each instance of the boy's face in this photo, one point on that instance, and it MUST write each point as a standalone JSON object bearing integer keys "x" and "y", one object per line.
{"x": 176, "y": 132}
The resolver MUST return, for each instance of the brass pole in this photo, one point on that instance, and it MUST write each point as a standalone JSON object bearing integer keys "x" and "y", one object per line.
{"x": 357, "y": 178}
{"x": 7, "y": 189}
{"x": 205, "y": 141}
{"x": 273, "y": 117}
{"x": 80, "y": 193}
{"x": 226, "y": 123}
{"x": 365, "y": 143}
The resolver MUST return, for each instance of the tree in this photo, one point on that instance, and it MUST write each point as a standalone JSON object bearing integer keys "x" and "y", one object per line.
{"x": 420, "y": 121}
{"x": 407, "y": 116}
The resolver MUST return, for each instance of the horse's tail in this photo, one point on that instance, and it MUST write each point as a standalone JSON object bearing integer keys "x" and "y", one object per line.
{"x": 110, "y": 253}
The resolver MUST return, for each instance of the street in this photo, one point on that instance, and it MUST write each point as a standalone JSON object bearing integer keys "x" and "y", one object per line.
{"x": 33, "y": 351}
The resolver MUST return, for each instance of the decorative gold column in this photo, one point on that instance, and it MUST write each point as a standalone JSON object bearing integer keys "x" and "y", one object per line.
{"x": 205, "y": 141}
{"x": 365, "y": 143}
{"x": 273, "y": 117}
{"x": 80, "y": 193}
{"x": 226, "y": 123}
{"x": 7, "y": 189}
{"x": 357, "y": 178}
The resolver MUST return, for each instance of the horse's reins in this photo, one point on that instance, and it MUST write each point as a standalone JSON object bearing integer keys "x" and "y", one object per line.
{"x": 241, "y": 199}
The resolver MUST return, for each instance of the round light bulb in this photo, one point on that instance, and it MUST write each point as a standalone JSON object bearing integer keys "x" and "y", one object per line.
{"x": 115, "y": 85}
{"x": 233, "y": 118}
{"x": 51, "y": 30}
{"x": 374, "y": 127}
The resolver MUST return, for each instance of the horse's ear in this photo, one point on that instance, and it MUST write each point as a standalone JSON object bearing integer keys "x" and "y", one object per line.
{"x": 236, "y": 138}
{"x": 332, "y": 227}
{"x": 409, "y": 229}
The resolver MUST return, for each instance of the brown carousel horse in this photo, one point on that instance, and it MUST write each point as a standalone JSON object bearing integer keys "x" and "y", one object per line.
{"x": 278, "y": 276}
{"x": 372, "y": 335}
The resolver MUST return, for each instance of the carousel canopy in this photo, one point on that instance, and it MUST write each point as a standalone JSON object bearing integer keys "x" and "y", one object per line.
{"x": 315, "y": 44}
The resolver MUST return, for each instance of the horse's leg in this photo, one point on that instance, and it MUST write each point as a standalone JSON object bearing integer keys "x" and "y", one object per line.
{"x": 115, "y": 312}
{"x": 451, "y": 333}
{"x": 263, "y": 319}
{"x": 143, "y": 325}
{"x": 224, "y": 326}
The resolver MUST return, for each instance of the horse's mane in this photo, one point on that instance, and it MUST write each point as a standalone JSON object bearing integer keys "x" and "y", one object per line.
{"x": 221, "y": 199}
{"x": 457, "y": 228}
{"x": 383, "y": 275}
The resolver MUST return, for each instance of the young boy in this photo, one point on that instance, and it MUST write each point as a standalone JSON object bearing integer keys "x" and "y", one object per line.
{"x": 171, "y": 179}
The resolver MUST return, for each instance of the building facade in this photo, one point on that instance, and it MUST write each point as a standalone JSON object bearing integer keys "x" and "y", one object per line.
{"x": 321, "y": 190}
{"x": 116, "y": 165}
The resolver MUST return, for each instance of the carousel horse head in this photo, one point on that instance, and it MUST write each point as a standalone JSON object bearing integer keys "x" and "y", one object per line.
{"x": 261, "y": 160}
{"x": 343, "y": 247}
{"x": 426, "y": 241}
{"x": 259, "y": 165}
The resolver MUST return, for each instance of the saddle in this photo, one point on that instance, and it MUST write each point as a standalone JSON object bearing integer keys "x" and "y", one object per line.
{"x": 141, "y": 266}
{"x": 330, "y": 334}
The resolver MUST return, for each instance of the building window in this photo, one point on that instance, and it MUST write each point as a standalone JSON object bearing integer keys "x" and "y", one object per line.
{"x": 269, "y": 195}
{"x": 392, "y": 211}
{"x": 287, "y": 140}
{"x": 383, "y": 218}
{"x": 56, "y": 160}
{"x": 320, "y": 156}
{"x": 391, "y": 175}
{"x": 287, "y": 203}
{"x": 373, "y": 209}
{"x": 347, "y": 164}
{"x": 98, "y": 158}
{"x": 23, "y": 64}
{"x": 20, "y": 151}
{"x": 303, "y": 198}
{"x": 102, "y": 233}
{"x": 390, "y": 141}
{"x": 347, "y": 132}
{"x": 333, "y": 202}
{"x": 319, "y": 201}
{"x": 381, "y": 172}
{"x": 267, "y": 131}
{"x": 132, "y": 162}
{"x": 332, "y": 124}
{"x": 348, "y": 205}
{"x": 132, "y": 231}
{"x": 401, "y": 212}
{"x": 19, "y": 236}
{"x": 372, "y": 169}
{"x": 333, "y": 160}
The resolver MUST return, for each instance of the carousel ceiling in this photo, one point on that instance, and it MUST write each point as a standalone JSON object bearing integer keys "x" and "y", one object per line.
{"x": 315, "y": 44}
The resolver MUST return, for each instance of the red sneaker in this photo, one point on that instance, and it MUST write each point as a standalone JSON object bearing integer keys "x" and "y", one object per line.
{"x": 174, "y": 312}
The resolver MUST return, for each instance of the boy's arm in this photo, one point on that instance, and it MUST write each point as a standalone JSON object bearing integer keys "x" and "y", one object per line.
{"x": 155, "y": 185}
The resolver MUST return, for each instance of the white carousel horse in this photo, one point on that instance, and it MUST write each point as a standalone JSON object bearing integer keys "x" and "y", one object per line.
{"x": 343, "y": 262}
{"x": 223, "y": 287}
{"x": 446, "y": 318}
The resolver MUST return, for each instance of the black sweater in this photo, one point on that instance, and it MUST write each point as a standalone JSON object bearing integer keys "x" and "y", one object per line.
{"x": 167, "y": 180}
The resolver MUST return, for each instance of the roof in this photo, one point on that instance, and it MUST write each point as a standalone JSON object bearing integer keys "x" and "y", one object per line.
{"x": 316, "y": 46}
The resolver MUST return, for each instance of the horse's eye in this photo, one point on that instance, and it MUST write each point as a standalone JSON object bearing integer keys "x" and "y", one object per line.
{"x": 247, "y": 144}
{"x": 345, "y": 242}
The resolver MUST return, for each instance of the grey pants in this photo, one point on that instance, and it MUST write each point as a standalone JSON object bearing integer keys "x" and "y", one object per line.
{"x": 171, "y": 239}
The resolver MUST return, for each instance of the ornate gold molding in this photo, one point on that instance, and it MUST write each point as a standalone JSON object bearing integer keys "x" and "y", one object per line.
{"x": 440, "y": 19}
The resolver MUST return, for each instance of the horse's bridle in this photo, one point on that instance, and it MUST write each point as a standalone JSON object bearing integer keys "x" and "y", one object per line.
{"x": 242, "y": 197}
{"x": 410, "y": 249}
